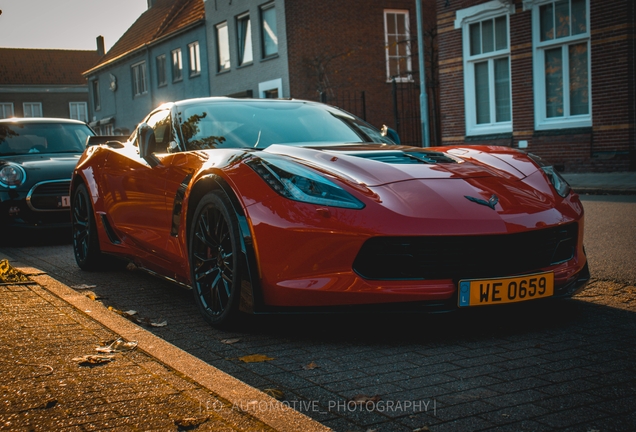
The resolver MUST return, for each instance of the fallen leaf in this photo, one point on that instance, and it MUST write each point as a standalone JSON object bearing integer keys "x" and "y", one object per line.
{"x": 130, "y": 312}
{"x": 83, "y": 287}
{"x": 255, "y": 358}
{"x": 190, "y": 422}
{"x": 9, "y": 274}
{"x": 117, "y": 345}
{"x": 361, "y": 399}
{"x": 93, "y": 296}
{"x": 158, "y": 324}
{"x": 93, "y": 359}
{"x": 311, "y": 366}
{"x": 131, "y": 267}
{"x": 275, "y": 393}
{"x": 230, "y": 341}
{"x": 422, "y": 429}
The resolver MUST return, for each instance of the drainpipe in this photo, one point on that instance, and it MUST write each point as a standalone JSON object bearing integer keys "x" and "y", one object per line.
{"x": 426, "y": 139}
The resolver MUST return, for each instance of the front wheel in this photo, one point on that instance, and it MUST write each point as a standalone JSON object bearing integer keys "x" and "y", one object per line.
{"x": 85, "y": 241}
{"x": 214, "y": 260}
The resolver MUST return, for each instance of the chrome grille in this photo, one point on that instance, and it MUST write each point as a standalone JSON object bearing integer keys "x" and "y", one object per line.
{"x": 47, "y": 195}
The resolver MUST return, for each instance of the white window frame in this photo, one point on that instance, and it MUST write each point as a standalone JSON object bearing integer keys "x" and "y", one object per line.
{"x": 162, "y": 77}
{"x": 78, "y": 111}
{"x": 406, "y": 37}
{"x": 140, "y": 83}
{"x": 223, "y": 41}
{"x": 275, "y": 84}
{"x": 542, "y": 121}
{"x": 6, "y": 110}
{"x": 176, "y": 65}
{"x": 29, "y": 108}
{"x": 466, "y": 17}
{"x": 195, "y": 58}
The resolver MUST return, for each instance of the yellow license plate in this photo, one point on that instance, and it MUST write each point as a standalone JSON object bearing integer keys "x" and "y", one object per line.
{"x": 479, "y": 292}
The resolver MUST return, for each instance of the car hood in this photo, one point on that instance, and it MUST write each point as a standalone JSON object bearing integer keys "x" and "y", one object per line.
{"x": 42, "y": 166}
{"x": 377, "y": 164}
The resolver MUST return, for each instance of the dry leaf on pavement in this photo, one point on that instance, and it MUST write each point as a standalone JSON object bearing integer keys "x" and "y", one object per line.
{"x": 255, "y": 358}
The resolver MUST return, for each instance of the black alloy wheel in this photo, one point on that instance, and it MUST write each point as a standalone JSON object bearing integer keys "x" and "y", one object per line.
{"x": 85, "y": 241}
{"x": 214, "y": 260}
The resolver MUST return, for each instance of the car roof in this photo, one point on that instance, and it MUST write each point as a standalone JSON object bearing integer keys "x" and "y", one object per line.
{"x": 40, "y": 120}
{"x": 196, "y": 101}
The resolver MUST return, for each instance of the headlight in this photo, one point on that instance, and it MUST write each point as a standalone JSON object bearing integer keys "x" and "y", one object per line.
{"x": 12, "y": 175}
{"x": 301, "y": 184}
{"x": 560, "y": 184}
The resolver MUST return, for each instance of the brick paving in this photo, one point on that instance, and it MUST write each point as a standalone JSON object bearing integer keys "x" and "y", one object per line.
{"x": 43, "y": 389}
{"x": 566, "y": 365}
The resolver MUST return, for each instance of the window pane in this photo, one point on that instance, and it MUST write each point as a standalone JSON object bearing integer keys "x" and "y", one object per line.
{"x": 578, "y": 79}
{"x": 562, "y": 18}
{"x": 502, "y": 89}
{"x": 401, "y": 24}
{"x": 482, "y": 93}
{"x": 270, "y": 36}
{"x": 554, "y": 83}
{"x": 579, "y": 17}
{"x": 223, "y": 47}
{"x": 488, "y": 36}
{"x": 501, "y": 33}
{"x": 161, "y": 70}
{"x": 546, "y": 16}
{"x": 390, "y": 23}
{"x": 177, "y": 65}
{"x": 475, "y": 39}
{"x": 244, "y": 37}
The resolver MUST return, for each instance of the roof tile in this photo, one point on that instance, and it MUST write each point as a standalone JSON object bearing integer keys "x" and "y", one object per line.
{"x": 21, "y": 66}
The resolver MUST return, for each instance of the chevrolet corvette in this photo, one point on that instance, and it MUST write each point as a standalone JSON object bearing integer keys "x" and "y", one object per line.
{"x": 271, "y": 206}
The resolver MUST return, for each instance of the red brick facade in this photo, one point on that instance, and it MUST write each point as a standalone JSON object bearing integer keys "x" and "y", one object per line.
{"x": 346, "y": 38}
{"x": 609, "y": 145}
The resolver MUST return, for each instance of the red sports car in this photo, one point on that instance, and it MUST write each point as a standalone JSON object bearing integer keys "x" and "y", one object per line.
{"x": 285, "y": 205}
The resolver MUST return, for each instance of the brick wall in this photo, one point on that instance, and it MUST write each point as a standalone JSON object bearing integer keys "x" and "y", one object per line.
{"x": 609, "y": 144}
{"x": 348, "y": 41}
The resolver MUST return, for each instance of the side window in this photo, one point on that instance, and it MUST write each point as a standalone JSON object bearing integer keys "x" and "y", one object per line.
{"x": 161, "y": 125}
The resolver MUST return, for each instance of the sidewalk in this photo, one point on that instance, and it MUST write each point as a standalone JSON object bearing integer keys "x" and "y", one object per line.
{"x": 617, "y": 183}
{"x": 47, "y": 327}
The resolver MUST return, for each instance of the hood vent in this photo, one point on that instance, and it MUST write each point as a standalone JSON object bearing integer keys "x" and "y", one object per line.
{"x": 402, "y": 158}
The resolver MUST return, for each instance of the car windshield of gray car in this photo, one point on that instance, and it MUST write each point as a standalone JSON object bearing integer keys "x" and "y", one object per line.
{"x": 49, "y": 138}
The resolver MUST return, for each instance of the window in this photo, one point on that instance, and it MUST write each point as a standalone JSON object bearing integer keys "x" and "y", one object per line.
{"x": 139, "y": 79}
{"x": 561, "y": 50}
{"x": 96, "y": 101}
{"x": 177, "y": 65}
{"x": 244, "y": 38}
{"x": 6, "y": 109}
{"x": 397, "y": 45}
{"x": 32, "y": 109}
{"x": 487, "y": 88}
{"x": 195, "y": 59}
{"x": 223, "y": 47}
{"x": 271, "y": 89}
{"x": 79, "y": 111}
{"x": 108, "y": 129}
{"x": 162, "y": 79}
{"x": 269, "y": 35}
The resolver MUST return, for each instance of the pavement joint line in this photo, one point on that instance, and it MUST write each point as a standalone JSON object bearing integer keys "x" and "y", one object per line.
{"x": 242, "y": 396}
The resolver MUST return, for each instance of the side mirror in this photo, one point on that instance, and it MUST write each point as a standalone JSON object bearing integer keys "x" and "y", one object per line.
{"x": 390, "y": 133}
{"x": 146, "y": 143}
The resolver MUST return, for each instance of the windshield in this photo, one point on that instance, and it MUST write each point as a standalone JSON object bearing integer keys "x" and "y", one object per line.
{"x": 261, "y": 124}
{"x": 24, "y": 138}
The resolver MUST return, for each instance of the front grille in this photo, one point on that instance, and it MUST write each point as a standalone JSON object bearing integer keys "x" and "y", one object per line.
{"x": 462, "y": 257}
{"x": 46, "y": 196}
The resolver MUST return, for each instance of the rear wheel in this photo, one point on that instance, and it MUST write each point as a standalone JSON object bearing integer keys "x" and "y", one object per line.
{"x": 85, "y": 242}
{"x": 214, "y": 261}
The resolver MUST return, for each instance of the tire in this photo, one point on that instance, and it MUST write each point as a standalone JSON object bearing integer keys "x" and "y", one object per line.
{"x": 85, "y": 241}
{"x": 214, "y": 260}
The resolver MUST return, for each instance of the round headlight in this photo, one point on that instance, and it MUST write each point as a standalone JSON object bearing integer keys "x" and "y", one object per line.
{"x": 12, "y": 175}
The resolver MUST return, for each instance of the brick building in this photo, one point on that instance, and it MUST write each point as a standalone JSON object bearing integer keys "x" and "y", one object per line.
{"x": 555, "y": 77}
{"x": 44, "y": 82}
{"x": 345, "y": 53}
